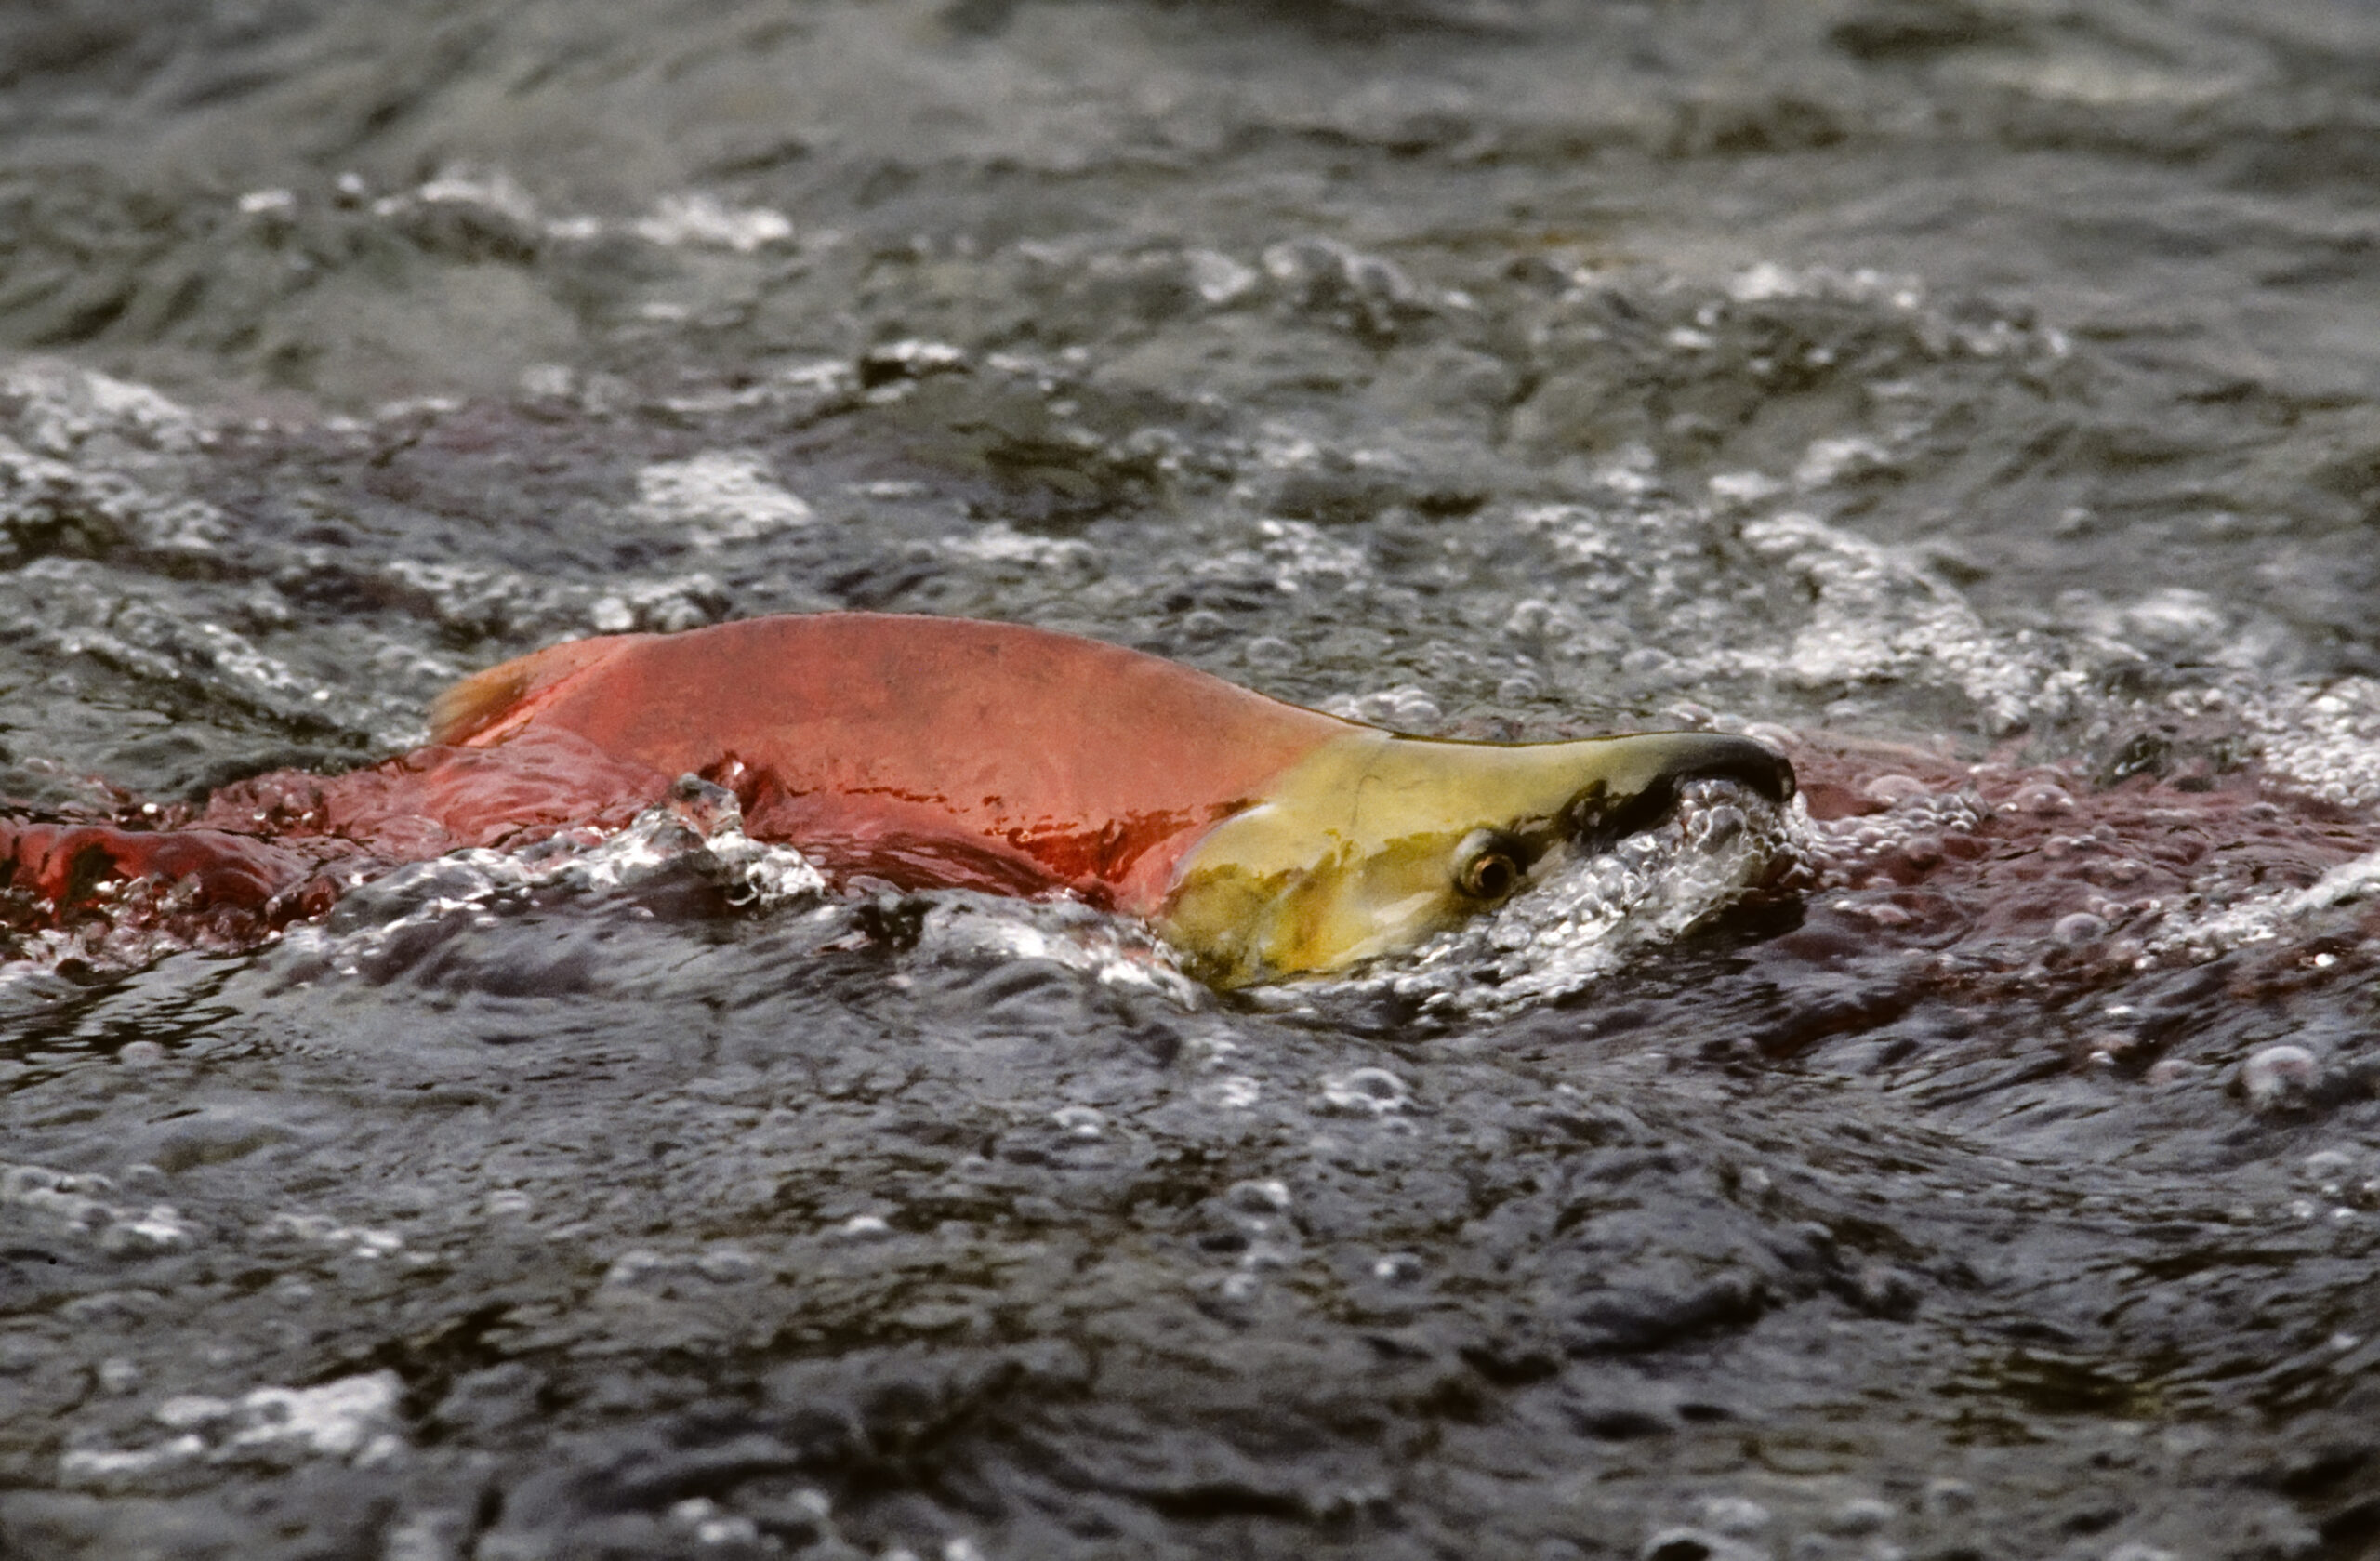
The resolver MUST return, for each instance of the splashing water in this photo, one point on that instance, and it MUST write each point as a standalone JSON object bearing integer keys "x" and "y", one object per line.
{"x": 1721, "y": 844}
{"x": 700, "y": 833}
{"x": 967, "y": 928}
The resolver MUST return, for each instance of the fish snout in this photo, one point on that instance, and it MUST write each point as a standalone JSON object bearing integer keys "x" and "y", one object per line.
{"x": 1640, "y": 782}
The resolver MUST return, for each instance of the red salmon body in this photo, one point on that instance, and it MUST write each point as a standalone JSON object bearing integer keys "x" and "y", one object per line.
{"x": 1261, "y": 839}
{"x": 924, "y": 751}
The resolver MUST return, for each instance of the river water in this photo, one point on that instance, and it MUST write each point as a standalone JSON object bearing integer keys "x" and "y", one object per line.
{"x": 1979, "y": 400}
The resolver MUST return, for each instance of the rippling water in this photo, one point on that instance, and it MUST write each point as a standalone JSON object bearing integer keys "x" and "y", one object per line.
{"x": 1975, "y": 400}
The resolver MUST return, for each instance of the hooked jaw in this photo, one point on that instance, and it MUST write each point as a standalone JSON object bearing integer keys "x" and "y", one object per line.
{"x": 1639, "y": 776}
{"x": 1374, "y": 841}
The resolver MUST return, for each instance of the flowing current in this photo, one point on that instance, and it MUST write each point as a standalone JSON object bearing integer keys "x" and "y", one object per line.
{"x": 1977, "y": 1158}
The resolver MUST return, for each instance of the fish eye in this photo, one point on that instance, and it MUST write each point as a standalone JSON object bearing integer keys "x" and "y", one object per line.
{"x": 1487, "y": 864}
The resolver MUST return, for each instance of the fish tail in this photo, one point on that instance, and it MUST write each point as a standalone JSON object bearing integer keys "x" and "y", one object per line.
{"x": 477, "y": 708}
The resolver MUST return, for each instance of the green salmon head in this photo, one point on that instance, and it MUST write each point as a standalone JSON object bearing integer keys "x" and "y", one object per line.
{"x": 1375, "y": 841}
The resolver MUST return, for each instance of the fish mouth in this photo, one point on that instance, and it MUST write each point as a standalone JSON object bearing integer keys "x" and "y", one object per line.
{"x": 1644, "y": 774}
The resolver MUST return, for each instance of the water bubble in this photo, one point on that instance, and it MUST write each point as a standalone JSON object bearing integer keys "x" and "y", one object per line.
{"x": 1401, "y": 709}
{"x": 1894, "y": 789}
{"x": 1883, "y": 1290}
{"x": 159, "y": 1230}
{"x": 2328, "y": 1165}
{"x": 1080, "y": 1121}
{"x": 700, "y": 220}
{"x": 716, "y": 496}
{"x": 1696, "y": 1544}
{"x": 2278, "y": 1076}
{"x": 142, "y": 1177}
{"x": 2039, "y": 797}
{"x": 896, "y": 361}
{"x": 711, "y": 1523}
{"x": 1366, "y": 1092}
{"x": 547, "y": 381}
{"x": 1219, "y": 279}
{"x": 1586, "y": 915}
{"x": 1862, "y": 1514}
{"x": 634, "y": 1267}
{"x": 100, "y": 1466}
{"x": 2078, "y": 929}
{"x": 1734, "y": 1515}
{"x": 1712, "y": 831}
{"x": 1269, "y": 653}
{"x": 1236, "y": 1093}
{"x": 728, "y": 1265}
{"x": 1270, "y": 1195}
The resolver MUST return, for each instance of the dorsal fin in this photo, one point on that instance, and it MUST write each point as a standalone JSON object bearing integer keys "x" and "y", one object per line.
{"x": 485, "y": 700}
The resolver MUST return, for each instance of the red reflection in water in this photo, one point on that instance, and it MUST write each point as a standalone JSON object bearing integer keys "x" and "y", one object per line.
{"x": 1999, "y": 871}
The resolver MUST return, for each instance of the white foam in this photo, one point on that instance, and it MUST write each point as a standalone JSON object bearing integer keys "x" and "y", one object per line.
{"x": 82, "y": 608}
{"x": 666, "y": 606}
{"x": 89, "y": 1466}
{"x": 1290, "y": 556}
{"x": 494, "y": 189}
{"x": 1405, "y": 709}
{"x": 1219, "y": 279}
{"x": 1583, "y": 922}
{"x": 705, "y": 221}
{"x": 1828, "y": 461}
{"x": 1843, "y": 850}
{"x": 718, "y": 496}
{"x": 352, "y": 1419}
{"x": 1321, "y": 268}
{"x": 999, "y": 542}
{"x": 77, "y": 1206}
{"x": 2268, "y": 916}
{"x": 1877, "y": 618}
{"x": 1365, "y": 1092}
{"x": 2322, "y": 740}
{"x": 39, "y": 493}
{"x": 319, "y": 1230}
{"x": 1116, "y": 952}
{"x": 61, "y": 406}
{"x": 337, "y": 1419}
{"x": 468, "y": 883}
{"x": 1765, "y": 281}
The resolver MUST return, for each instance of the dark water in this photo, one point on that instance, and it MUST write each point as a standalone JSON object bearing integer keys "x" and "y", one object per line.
{"x": 1998, "y": 382}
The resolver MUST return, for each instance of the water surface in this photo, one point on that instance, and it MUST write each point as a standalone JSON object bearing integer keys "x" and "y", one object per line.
{"x": 1982, "y": 400}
